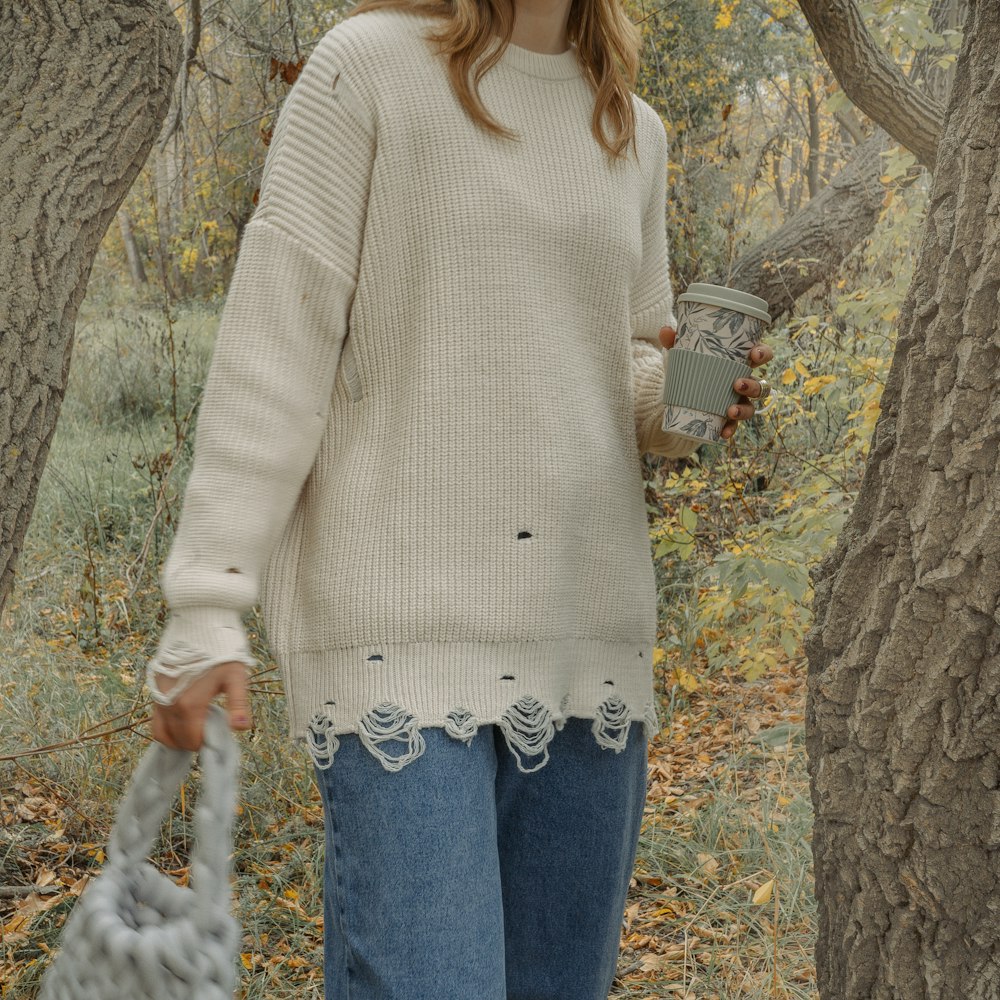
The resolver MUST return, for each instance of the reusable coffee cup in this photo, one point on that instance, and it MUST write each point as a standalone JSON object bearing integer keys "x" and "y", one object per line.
{"x": 716, "y": 329}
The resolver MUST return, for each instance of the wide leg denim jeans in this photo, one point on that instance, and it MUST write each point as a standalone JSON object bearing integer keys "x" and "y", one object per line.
{"x": 460, "y": 877}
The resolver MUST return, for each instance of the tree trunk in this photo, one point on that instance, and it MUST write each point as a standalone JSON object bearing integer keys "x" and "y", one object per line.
{"x": 812, "y": 164}
{"x": 84, "y": 89}
{"x": 132, "y": 254}
{"x": 165, "y": 178}
{"x": 779, "y": 189}
{"x": 902, "y": 717}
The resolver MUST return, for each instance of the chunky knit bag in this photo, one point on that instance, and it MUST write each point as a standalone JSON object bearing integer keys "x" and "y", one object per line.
{"x": 135, "y": 934}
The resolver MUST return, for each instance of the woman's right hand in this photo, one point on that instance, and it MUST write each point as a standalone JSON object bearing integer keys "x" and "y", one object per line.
{"x": 182, "y": 724}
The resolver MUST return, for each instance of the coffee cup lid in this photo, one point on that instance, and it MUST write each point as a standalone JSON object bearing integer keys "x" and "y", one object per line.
{"x": 728, "y": 298}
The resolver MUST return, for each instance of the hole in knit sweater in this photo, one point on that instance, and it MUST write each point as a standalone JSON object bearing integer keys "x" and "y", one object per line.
{"x": 232, "y": 569}
{"x": 524, "y": 534}
{"x": 611, "y": 724}
{"x": 385, "y": 724}
{"x": 320, "y": 740}
{"x": 460, "y": 724}
{"x": 528, "y": 729}
{"x": 507, "y": 677}
{"x": 610, "y": 683}
{"x": 375, "y": 656}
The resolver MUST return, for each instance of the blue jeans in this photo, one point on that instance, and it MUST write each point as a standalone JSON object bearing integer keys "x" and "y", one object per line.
{"x": 460, "y": 877}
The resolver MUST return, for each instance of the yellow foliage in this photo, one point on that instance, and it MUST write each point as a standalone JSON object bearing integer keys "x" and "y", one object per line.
{"x": 725, "y": 16}
{"x": 189, "y": 259}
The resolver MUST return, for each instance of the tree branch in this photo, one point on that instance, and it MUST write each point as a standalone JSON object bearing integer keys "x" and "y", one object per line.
{"x": 872, "y": 80}
{"x": 851, "y": 125}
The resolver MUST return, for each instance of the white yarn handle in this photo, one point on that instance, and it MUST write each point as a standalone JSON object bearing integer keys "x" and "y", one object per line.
{"x": 148, "y": 798}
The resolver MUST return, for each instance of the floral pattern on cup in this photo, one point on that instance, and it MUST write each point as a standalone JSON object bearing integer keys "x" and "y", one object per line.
{"x": 715, "y": 330}
{"x": 705, "y": 427}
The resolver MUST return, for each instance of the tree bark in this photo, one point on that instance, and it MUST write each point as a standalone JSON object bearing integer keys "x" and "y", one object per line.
{"x": 902, "y": 717}
{"x": 85, "y": 89}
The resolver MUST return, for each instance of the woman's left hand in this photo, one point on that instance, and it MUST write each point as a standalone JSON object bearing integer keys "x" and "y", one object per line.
{"x": 760, "y": 354}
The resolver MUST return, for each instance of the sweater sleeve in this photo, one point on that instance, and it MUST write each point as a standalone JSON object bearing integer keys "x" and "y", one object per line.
{"x": 651, "y": 308}
{"x": 266, "y": 398}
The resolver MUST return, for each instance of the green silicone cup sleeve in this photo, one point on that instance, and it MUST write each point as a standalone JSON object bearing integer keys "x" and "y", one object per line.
{"x": 703, "y": 382}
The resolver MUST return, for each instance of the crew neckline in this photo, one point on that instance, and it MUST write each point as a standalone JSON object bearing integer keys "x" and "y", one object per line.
{"x": 549, "y": 66}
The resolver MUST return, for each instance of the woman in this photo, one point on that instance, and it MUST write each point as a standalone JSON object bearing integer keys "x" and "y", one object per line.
{"x": 419, "y": 446}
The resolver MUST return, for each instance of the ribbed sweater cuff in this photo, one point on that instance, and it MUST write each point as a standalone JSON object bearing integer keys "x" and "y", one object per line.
{"x": 648, "y": 371}
{"x": 207, "y": 636}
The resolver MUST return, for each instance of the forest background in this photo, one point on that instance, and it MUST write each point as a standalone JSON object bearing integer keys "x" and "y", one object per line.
{"x": 721, "y": 905}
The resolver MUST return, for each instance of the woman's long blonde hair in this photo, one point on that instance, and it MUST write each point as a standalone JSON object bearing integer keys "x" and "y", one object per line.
{"x": 607, "y": 42}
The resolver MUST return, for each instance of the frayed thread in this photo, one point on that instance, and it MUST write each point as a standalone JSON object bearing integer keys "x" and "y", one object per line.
{"x": 611, "y": 724}
{"x": 461, "y": 725}
{"x": 321, "y": 742}
{"x": 651, "y": 720}
{"x": 389, "y": 723}
{"x": 528, "y": 728}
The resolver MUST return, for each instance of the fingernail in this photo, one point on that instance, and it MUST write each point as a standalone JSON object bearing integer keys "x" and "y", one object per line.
{"x": 742, "y": 386}
{"x": 240, "y": 720}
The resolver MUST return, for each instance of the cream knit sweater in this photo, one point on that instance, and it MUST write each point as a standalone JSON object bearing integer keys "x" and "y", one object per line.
{"x": 419, "y": 442}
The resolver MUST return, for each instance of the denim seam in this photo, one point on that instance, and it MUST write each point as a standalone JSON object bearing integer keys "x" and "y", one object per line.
{"x": 341, "y": 907}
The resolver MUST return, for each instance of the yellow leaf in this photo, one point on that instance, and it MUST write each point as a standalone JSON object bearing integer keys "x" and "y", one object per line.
{"x": 708, "y": 864}
{"x": 801, "y": 368}
{"x": 658, "y": 655}
{"x": 763, "y": 894}
{"x": 656, "y": 963}
{"x": 788, "y": 376}
{"x": 246, "y": 959}
{"x": 687, "y": 681}
{"x": 813, "y": 385}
